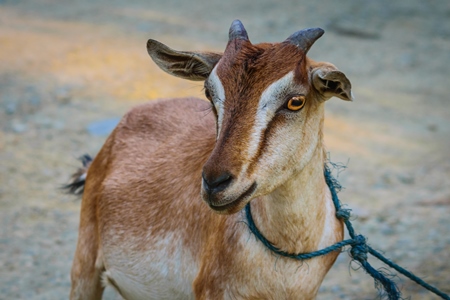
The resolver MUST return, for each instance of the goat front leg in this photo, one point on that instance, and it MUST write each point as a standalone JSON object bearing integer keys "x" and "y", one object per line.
{"x": 87, "y": 267}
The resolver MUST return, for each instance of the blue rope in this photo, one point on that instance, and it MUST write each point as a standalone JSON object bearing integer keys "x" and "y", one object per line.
{"x": 359, "y": 248}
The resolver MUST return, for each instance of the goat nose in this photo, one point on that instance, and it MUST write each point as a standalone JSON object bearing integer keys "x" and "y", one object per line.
{"x": 216, "y": 184}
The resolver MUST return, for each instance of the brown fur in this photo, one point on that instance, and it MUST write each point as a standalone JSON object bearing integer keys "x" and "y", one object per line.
{"x": 249, "y": 69}
{"x": 142, "y": 212}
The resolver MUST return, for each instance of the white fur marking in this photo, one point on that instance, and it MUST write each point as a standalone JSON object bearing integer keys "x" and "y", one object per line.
{"x": 219, "y": 97}
{"x": 153, "y": 273}
{"x": 267, "y": 107}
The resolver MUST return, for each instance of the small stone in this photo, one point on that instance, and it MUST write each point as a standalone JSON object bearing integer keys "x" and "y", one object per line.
{"x": 432, "y": 127}
{"x": 10, "y": 107}
{"x": 103, "y": 127}
{"x": 48, "y": 123}
{"x": 406, "y": 179}
{"x": 62, "y": 94}
{"x": 407, "y": 60}
{"x": 356, "y": 27}
{"x": 335, "y": 289}
{"x": 18, "y": 127}
{"x": 34, "y": 100}
{"x": 387, "y": 230}
{"x": 32, "y": 96}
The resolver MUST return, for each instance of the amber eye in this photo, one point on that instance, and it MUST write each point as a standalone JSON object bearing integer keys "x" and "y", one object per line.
{"x": 296, "y": 103}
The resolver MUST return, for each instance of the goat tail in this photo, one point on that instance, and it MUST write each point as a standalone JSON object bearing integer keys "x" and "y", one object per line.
{"x": 76, "y": 185}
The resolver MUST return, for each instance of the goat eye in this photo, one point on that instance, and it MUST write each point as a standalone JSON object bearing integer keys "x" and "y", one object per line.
{"x": 296, "y": 103}
{"x": 208, "y": 94}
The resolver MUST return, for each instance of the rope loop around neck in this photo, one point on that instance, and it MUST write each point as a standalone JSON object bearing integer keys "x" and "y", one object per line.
{"x": 359, "y": 249}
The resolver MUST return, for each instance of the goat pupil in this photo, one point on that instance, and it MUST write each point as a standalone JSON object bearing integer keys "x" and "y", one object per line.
{"x": 296, "y": 102}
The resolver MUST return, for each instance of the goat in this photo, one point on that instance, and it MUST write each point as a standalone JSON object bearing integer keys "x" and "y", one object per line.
{"x": 143, "y": 227}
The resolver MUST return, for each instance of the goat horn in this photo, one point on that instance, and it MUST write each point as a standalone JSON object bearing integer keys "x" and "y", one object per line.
{"x": 305, "y": 38}
{"x": 237, "y": 31}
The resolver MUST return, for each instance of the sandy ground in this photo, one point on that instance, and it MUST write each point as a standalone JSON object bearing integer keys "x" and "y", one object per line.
{"x": 68, "y": 67}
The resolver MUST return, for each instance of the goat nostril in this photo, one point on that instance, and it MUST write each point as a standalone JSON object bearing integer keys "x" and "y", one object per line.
{"x": 217, "y": 184}
{"x": 222, "y": 179}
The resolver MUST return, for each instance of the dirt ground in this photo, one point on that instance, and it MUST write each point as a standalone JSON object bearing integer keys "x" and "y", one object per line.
{"x": 68, "y": 69}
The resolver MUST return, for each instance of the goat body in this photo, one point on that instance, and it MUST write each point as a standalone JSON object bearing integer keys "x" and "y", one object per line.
{"x": 144, "y": 228}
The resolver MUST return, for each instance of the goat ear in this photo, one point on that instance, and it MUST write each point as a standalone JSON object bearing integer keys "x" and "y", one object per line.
{"x": 329, "y": 82}
{"x": 187, "y": 65}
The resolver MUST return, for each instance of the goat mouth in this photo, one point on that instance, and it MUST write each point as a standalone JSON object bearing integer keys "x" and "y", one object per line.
{"x": 230, "y": 206}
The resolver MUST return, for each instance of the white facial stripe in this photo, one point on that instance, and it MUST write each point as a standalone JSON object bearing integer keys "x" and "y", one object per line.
{"x": 266, "y": 101}
{"x": 219, "y": 97}
{"x": 267, "y": 107}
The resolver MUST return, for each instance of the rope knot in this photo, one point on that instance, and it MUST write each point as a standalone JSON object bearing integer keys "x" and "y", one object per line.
{"x": 359, "y": 249}
{"x": 343, "y": 214}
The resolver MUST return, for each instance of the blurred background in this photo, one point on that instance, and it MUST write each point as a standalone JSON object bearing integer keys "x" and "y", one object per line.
{"x": 70, "y": 69}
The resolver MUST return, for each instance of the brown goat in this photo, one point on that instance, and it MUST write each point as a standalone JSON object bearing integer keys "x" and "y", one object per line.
{"x": 144, "y": 228}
